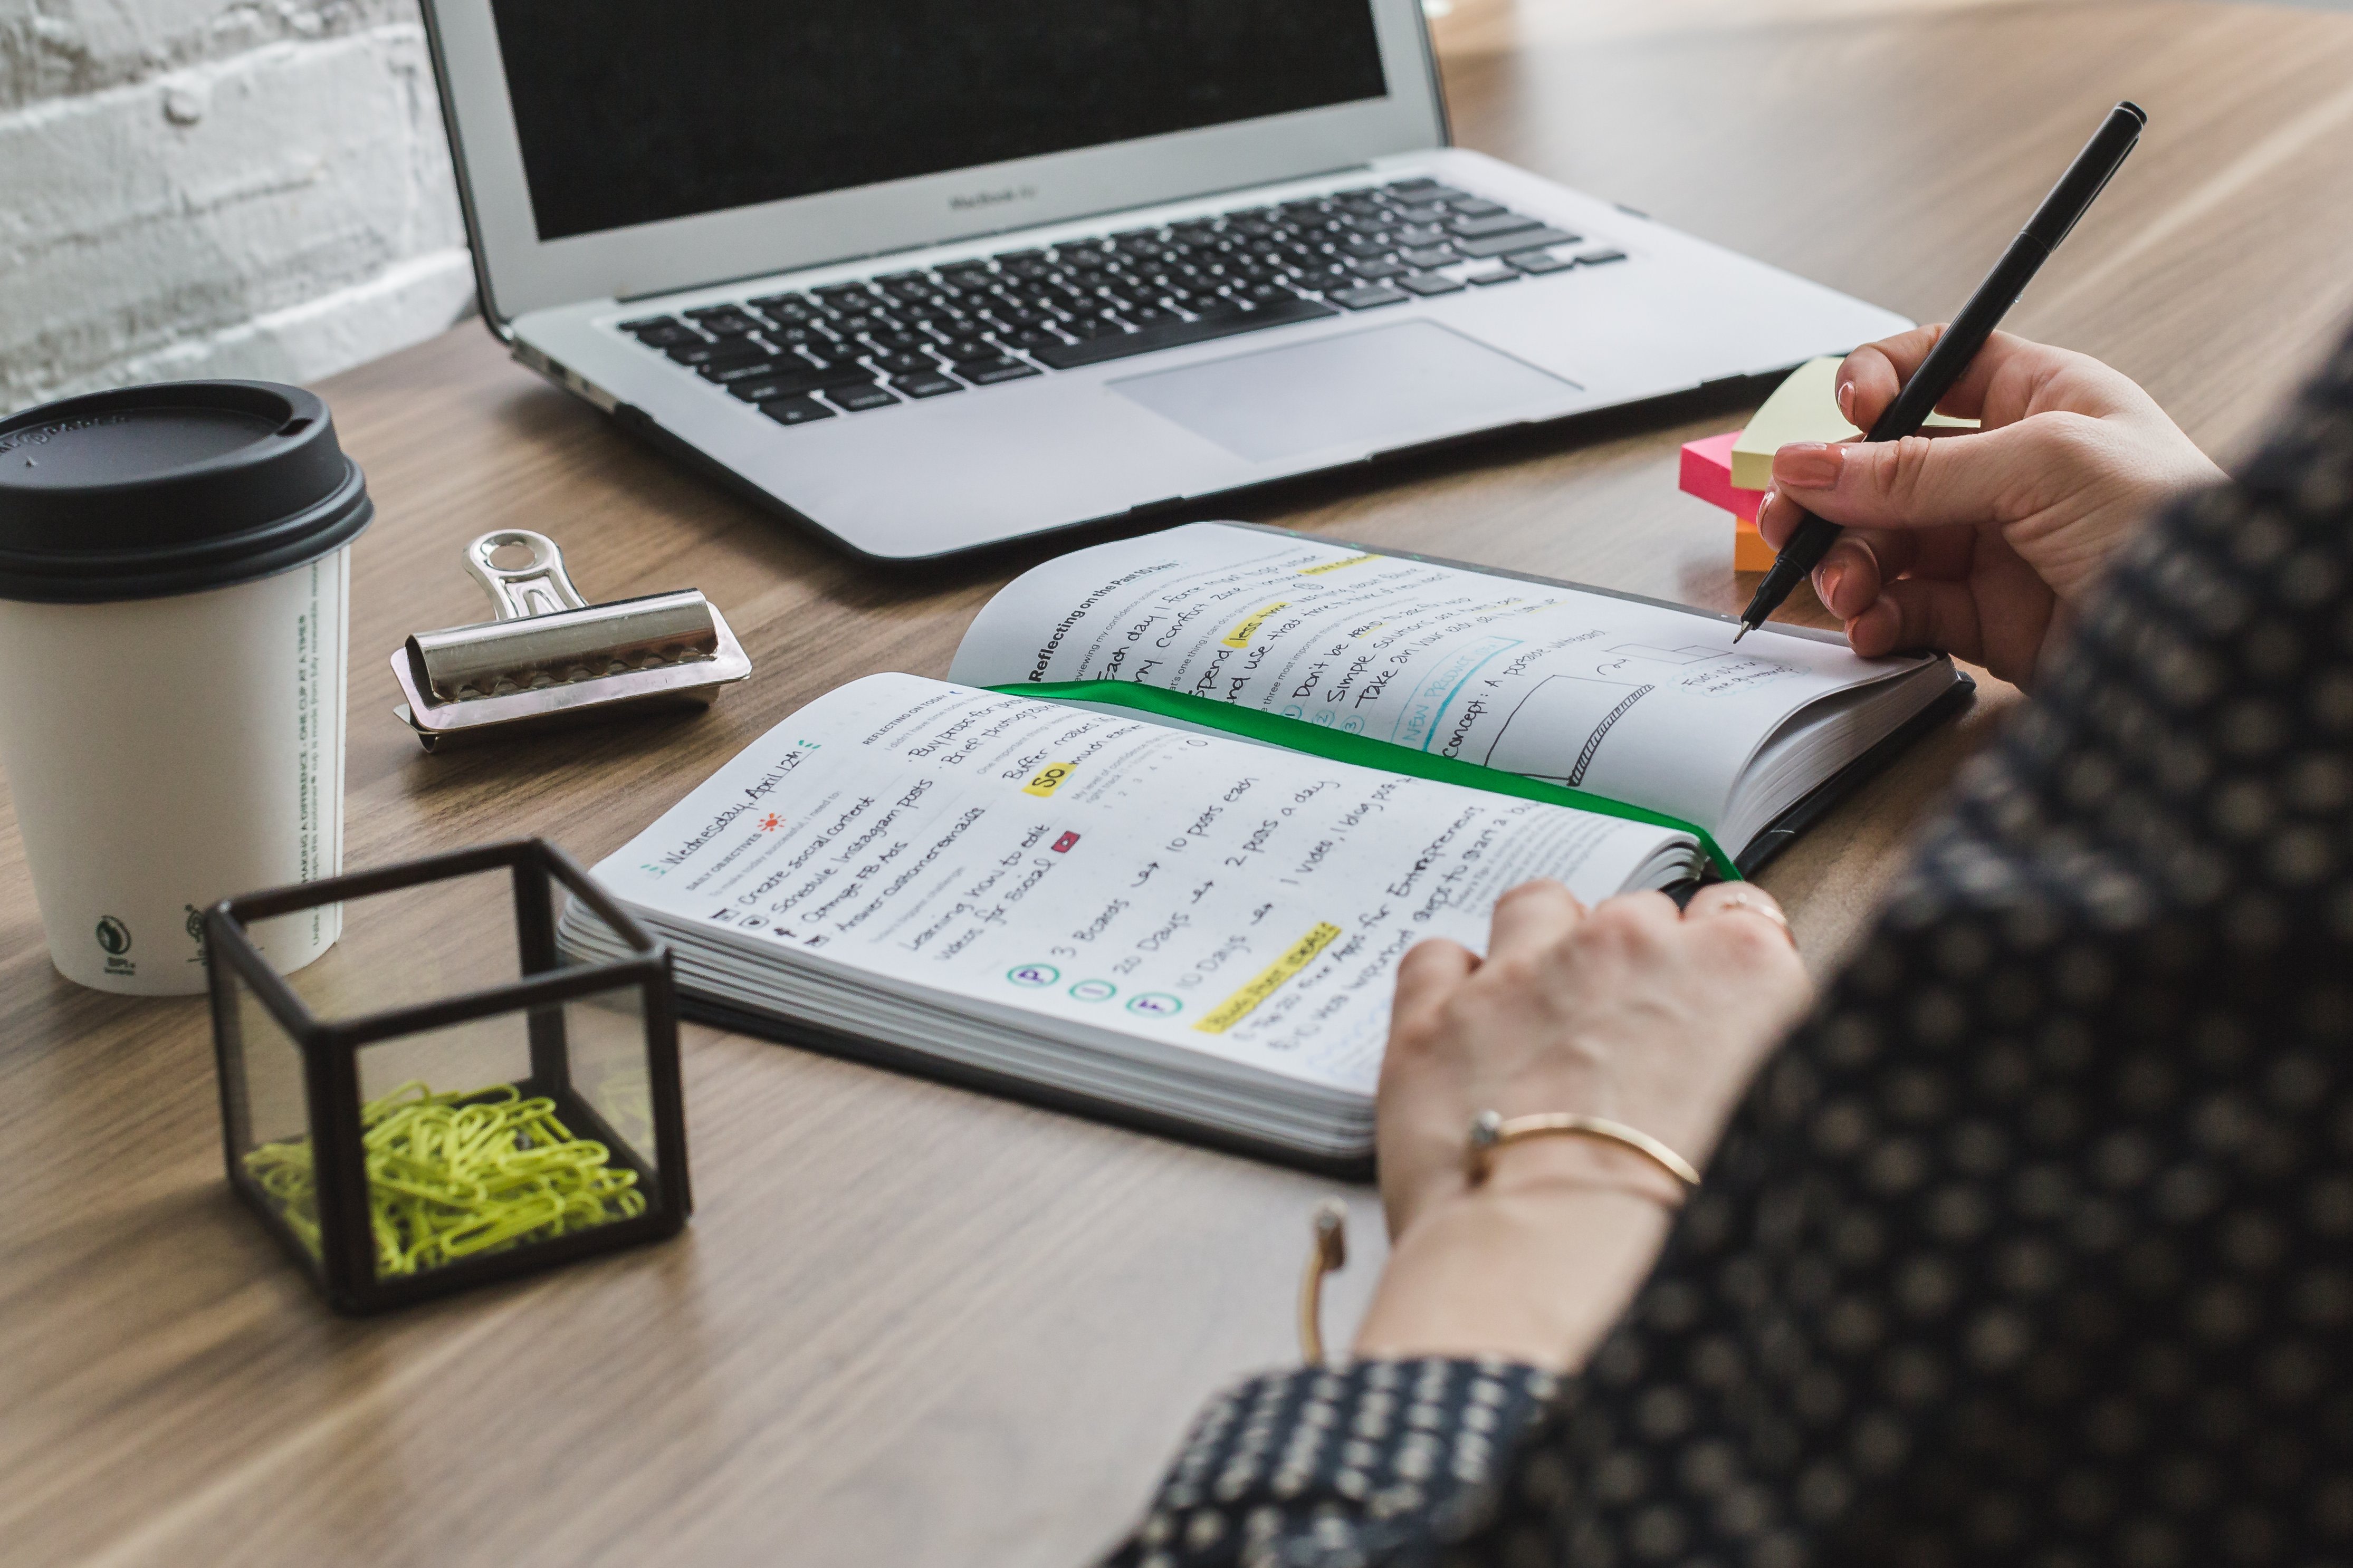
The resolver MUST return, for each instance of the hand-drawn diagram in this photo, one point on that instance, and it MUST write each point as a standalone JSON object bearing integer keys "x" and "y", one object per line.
{"x": 1536, "y": 736}
{"x": 1534, "y": 740}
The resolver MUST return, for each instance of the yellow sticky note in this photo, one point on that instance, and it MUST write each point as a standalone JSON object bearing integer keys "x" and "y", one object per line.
{"x": 1802, "y": 408}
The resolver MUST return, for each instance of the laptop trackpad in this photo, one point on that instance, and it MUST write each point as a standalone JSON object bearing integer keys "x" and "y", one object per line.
{"x": 1350, "y": 390}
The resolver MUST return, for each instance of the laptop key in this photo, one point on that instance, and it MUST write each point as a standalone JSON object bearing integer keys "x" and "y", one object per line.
{"x": 648, "y": 323}
{"x": 728, "y": 323}
{"x": 696, "y": 353}
{"x": 1599, "y": 257}
{"x": 1538, "y": 261}
{"x": 1496, "y": 274}
{"x": 1369, "y": 295}
{"x": 1432, "y": 256}
{"x": 796, "y": 378}
{"x": 796, "y": 410}
{"x": 1373, "y": 271}
{"x": 858, "y": 399}
{"x": 962, "y": 349}
{"x": 1172, "y": 333}
{"x": 1496, "y": 245}
{"x": 725, "y": 371}
{"x": 1493, "y": 223}
{"x": 905, "y": 364}
{"x": 989, "y": 371}
{"x": 1431, "y": 283}
{"x": 930, "y": 383}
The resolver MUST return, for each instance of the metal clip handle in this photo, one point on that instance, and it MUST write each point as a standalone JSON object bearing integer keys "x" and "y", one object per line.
{"x": 519, "y": 592}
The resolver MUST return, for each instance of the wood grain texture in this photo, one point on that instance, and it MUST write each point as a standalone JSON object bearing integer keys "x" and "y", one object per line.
{"x": 913, "y": 1325}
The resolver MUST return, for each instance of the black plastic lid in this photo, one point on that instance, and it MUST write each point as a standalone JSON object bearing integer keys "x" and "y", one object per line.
{"x": 171, "y": 488}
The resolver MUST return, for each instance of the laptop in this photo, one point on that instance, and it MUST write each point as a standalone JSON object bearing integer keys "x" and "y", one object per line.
{"x": 932, "y": 277}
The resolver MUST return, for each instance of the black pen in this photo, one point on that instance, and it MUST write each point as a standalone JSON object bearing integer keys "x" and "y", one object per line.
{"x": 2085, "y": 178}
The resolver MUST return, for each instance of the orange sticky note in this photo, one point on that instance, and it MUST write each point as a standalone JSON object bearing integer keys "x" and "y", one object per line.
{"x": 1749, "y": 551}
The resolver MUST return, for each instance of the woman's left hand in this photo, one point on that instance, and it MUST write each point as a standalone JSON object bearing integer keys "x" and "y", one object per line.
{"x": 1634, "y": 1011}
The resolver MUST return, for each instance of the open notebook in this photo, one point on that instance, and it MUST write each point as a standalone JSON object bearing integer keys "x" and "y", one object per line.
{"x": 1608, "y": 695}
{"x": 1182, "y": 904}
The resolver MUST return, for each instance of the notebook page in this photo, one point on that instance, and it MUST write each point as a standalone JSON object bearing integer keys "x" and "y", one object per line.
{"x": 1107, "y": 872}
{"x": 1638, "y": 704}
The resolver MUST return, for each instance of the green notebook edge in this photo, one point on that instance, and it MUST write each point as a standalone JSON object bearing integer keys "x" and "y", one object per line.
{"x": 1360, "y": 751}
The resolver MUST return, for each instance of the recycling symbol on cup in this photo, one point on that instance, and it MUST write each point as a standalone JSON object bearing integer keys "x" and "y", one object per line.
{"x": 113, "y": 936}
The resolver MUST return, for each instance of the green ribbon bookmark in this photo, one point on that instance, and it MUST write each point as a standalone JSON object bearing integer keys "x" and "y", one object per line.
{"x": 1362, "y": 751}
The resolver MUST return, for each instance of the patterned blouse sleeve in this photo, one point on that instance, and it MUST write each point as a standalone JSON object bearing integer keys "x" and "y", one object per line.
{"x": 2035, "y": 1244}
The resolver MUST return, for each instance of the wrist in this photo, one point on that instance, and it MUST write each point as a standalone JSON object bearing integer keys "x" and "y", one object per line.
{"x": 1535, "y": 1264}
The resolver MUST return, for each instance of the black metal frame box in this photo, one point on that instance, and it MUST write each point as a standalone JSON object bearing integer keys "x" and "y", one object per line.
{"x": 342, "y": 1257}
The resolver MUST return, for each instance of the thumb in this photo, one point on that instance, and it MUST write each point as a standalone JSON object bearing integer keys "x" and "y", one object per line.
{"x": 1915, "y": 483}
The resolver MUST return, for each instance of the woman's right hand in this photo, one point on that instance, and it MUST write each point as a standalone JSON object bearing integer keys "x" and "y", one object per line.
{"x": 1979, "y": 544}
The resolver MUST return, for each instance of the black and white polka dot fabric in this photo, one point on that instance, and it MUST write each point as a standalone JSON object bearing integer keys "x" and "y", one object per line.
{"x": 2035, "y": 1245}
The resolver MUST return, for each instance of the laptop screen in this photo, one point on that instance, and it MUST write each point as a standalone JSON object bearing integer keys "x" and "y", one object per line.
{"x": 631, "y": 112}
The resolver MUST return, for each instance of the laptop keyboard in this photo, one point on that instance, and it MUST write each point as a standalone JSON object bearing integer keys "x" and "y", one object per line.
{"x": 849, "y": 348}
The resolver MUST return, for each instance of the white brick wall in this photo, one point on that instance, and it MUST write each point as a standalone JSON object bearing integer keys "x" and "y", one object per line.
{"x": 217, "y": 187}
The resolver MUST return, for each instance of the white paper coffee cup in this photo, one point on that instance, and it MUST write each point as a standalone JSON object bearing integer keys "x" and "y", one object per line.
{"x": 174, "y": 577}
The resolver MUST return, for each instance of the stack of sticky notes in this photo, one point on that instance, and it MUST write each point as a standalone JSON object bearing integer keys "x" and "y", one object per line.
{"x": 1732, "y": 471}
{"x": 1707, "y": 474}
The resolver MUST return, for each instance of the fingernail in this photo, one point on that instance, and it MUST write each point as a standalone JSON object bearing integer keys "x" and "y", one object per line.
{"x": 1831, "y": 581}
{"x": 1809, "y": 465}
{"x": 1846, "y": 401}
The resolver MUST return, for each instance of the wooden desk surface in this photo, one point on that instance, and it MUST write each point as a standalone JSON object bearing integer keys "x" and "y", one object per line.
{"x": 912, "y": 1325}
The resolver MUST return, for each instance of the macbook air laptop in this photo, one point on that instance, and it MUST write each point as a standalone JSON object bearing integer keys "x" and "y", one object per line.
{"x": 932, "y": 276}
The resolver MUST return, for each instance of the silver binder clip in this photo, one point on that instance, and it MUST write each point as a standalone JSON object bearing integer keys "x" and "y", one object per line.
{"x": 553, "y": 658}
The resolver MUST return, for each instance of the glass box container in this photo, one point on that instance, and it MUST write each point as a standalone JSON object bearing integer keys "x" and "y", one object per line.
{"x": 451, "y": 1095}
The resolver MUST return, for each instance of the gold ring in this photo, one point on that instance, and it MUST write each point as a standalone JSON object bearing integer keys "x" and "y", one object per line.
{"x": 1747, "y": 905}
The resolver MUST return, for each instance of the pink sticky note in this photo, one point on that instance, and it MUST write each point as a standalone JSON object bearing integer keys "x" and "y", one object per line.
{"x": 1707, "y": 474}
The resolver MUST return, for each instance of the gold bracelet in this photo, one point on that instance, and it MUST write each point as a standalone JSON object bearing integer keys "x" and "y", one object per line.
{"x": 1490, "y": 1132}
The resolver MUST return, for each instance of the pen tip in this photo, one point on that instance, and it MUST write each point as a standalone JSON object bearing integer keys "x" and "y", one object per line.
{"x": 1741, "y": 633}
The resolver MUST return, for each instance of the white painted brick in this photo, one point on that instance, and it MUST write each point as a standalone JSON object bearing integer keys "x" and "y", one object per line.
{"x": 284, "y": 209}
{"x": 52, "y": 49}
{"x": 406, "y": 302}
